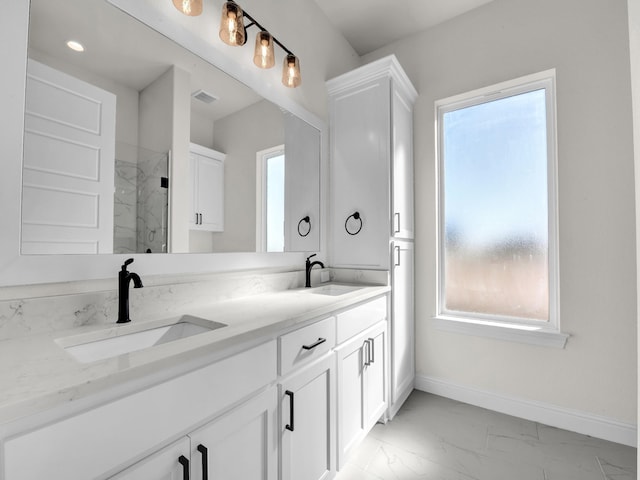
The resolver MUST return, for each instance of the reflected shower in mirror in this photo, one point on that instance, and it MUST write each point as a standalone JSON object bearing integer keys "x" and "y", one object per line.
{"x": 105, "y": 127}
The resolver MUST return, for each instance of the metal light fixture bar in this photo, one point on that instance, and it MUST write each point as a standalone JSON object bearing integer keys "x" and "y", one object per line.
{"x": 255, "y": 22}
{"x": 233, "y": 32}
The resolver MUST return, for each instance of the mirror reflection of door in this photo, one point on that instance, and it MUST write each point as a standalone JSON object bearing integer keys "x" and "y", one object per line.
{"x": 271, "y": 175}
{"x": 69, "y": 151}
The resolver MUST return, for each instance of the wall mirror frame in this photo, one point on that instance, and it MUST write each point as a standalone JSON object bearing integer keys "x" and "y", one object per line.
{"x": 17, "y": 269}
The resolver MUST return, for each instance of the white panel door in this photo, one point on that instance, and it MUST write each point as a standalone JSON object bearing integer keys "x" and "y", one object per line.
{"x": 402, "y": 167}
{"x": 360, "y": 153}
{"x": 206, "y": 170}
{"x": 402, "y": 321}
{"x": 211, "y": 194}
{"x": 241, "y": 444}
{"x": 169, "y": 463}
{"x": 375, "y": 379}
{"x": 307, "y": 412}
{"x": 69, "y": 163}
{"x": 351, "y": 397}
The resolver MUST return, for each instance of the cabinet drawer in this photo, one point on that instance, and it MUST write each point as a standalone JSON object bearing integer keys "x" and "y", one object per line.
{"x": 354, "y": 321}
{"x": 306, "y": 344}
{"x": 101, "y": 441}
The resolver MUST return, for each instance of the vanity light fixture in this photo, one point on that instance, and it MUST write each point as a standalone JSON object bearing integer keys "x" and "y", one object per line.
{"x": 75, "y": 46}
{"x": 233, "y": 32}
{"x": 192, "y": 8}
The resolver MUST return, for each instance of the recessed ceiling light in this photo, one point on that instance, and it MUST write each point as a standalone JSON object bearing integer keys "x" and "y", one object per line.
{"x": 75, "y": 46}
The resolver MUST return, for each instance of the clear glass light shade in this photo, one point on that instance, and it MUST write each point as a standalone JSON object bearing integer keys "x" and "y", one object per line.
{"x": 189, "y": 7}
{"x": 291, "y": 72}
{"x": 264, "y": 56}
{"x": 232, "y": 25}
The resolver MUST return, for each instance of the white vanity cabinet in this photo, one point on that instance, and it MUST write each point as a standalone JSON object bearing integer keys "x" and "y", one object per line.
{"x": 307, "y": 412}
{"x": 106, "y": 439}
{"x": 307, "y": 402}
{"x": 361, "y": 376}
{"x": 206, "y": 170}
{"x": 162, "y": 465}
{"x": 238, "y": 445}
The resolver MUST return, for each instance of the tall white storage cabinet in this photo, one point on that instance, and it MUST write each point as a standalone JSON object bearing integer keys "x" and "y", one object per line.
{"x": 371, "y": 134}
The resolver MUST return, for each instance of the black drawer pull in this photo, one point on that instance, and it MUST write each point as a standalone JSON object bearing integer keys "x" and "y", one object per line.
{"x": 314, "y": 345}
{"x": 289, "y": 426}
{"x": 184, "y": 461}
{"x": 205, "y": 461}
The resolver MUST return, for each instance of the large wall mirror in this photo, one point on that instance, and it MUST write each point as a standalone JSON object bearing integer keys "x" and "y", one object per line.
{"x": 104, "y": 128}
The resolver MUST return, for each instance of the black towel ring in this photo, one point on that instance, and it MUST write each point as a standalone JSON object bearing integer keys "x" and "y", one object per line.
{"x": 304, "y": 219}
{"x": 356, "y": 216}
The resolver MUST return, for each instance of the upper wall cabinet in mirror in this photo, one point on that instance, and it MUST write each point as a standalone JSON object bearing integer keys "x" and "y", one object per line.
{"x": 135, "y": 145}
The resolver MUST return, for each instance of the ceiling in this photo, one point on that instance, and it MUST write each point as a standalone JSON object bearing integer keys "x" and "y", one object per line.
{"x": 370, "y": 24}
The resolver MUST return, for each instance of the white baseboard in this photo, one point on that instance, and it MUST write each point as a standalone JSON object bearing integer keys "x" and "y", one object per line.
{"x": 545, "y": 413}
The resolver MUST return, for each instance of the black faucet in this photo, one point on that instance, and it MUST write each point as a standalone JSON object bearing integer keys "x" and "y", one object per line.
{"x": 124, "y": 277}
{"x": 309, "y": 266}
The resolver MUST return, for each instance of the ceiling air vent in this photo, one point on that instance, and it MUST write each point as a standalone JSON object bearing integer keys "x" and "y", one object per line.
{"x": 203, "y": 96}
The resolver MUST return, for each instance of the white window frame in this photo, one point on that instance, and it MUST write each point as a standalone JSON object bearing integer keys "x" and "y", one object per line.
{"x": 508, "y": 328}
{"x": 261, "y": 190}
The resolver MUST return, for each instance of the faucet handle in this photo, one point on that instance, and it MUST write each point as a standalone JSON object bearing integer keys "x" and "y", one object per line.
{"x": 129, "y": 261}
{"x": 311, "y": 256}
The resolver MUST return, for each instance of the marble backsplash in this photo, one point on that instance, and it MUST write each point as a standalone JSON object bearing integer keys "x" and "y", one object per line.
{"x": 160, "y": 298}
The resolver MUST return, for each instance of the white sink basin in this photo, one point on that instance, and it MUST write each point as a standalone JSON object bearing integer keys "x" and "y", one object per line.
{"x": 88, "y": 348}
{"x": 333, "y": 289}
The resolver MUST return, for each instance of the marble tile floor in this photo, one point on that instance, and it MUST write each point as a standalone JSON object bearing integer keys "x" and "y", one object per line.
{"x": 435, "y": 438}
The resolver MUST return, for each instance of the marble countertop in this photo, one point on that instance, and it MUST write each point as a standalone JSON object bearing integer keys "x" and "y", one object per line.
{"x": 37, "y": 374}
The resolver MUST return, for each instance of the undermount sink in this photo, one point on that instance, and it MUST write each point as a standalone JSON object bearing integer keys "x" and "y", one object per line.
{"x": 333, "y": 289}
{"x": 89, "y": 348}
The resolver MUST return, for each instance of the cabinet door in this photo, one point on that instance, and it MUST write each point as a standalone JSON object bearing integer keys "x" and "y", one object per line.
{"x": 402, "y": 323}
{"x": 194, "y": 219}
{"x": 239, "y": 445}
{"x": 360, "y": 156}
{"x": 162, "y": 465}
{"x": 211, "y": 194}
{"x": 362, "y": 391}
{"x": 351, "y": 396}
{"x": 375, "y": 378}
{"x": 307, "y": 403}
{"x": 402, "y": 167}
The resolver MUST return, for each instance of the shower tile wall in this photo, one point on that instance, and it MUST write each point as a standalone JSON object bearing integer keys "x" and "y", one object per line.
{"x": 140, "y": 203}
{"x": 124, "y": 210}
{"x": 152, "y": 202}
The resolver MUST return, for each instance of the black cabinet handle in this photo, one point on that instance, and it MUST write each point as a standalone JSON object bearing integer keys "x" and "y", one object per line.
{"x": 366, "y": 354}
{"x": 314, "y": 345}
{"x": 184, "y": 461}
{"x": 200, "y": 218}
{"x": 197, "y": 220}
{"x": 372, "y": 350}
{"x": 289, "y": 426}
{"x": 205, "y": 461}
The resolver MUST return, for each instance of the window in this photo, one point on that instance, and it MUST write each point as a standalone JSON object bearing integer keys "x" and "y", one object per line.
{"x": 497, "y": 205}
{"x": 270, "y": 198}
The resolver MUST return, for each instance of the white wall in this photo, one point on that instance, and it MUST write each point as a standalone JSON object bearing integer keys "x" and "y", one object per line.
{"x": 240, "y": 136}
{"x": 634, "y": 47}
{"x": 587, "y": 42}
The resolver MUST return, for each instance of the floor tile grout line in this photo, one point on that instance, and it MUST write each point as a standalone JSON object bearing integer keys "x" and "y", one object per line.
{"x": 604, "y": 475}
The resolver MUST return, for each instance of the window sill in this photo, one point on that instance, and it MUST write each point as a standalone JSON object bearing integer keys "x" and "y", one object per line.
{"x": 513, "y": 332}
